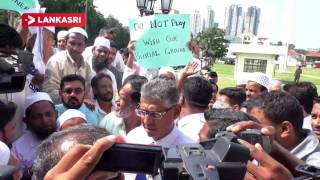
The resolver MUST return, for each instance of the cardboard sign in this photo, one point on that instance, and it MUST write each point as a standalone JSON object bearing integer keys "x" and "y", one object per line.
{"x": 161, "y": 40}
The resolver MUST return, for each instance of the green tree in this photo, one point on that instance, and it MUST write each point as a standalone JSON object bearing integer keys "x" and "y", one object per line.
{"x": 292, "y": 46}
{"x": 121, "y": 33}
{"x": 213, "y": 43}
{"x": 95, "y": 20}
{"x": 301, "y": 51}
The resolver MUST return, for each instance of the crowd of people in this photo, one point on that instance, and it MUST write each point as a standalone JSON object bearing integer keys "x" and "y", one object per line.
{"x": 89, "y": 97}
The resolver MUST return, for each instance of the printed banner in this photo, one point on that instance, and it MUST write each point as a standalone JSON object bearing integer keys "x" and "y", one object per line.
{"x": 19, "y": 6}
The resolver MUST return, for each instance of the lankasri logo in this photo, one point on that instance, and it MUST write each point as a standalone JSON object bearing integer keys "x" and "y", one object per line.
{"x": 30, "y": 20}
{"x": 54, "y": 19}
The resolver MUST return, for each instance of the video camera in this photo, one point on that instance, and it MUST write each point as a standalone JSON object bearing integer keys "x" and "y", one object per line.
{"x": 13, "y": 71}
{"x": 218, "y": 158}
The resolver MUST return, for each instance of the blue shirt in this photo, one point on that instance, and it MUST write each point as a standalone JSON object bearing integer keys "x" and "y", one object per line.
{"x": 91, "y": 116}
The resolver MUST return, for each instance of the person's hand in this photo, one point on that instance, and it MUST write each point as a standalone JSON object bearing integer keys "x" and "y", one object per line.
{"x": 268, "y": 168}
{"x": 243, "y": 125}
{"x": 79, "y": 162}
{"x": 190, "y": 69}
{"x": 37, "y": 79}
{"x": 265, "y": 130}
{"x": 90, "y": 105}
{"x": 131, "y": 47}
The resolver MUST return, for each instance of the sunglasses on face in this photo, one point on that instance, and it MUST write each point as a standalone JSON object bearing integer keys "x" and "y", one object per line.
{"x": 73, "y": 90}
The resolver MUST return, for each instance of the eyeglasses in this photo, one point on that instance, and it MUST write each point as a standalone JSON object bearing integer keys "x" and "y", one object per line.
{"x": 73, "y": 90}
{"x": 153, "y": 114}
{"x": 315, "y": 116}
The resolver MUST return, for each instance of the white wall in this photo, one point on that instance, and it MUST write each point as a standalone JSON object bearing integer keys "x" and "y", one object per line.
{"x": 239, "y": 66}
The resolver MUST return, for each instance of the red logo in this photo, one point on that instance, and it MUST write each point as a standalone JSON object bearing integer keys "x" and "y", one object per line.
{"x": 54, "y": 19}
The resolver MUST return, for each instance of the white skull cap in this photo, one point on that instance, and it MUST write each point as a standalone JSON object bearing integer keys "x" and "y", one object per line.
{"x": 78, "y": 30}
{"x": 259, "y": 78}
{"x": 62, "y": 34}
{"x": 101, "y": 41}
{"x": 68, "y": 114}
{"x": 36, "y": 97}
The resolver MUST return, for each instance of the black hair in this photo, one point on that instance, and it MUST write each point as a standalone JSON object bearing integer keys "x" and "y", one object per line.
{"x": 7, "y": 112}
{"x": 235, "y": 95}
{"x": 113, "y": 44}
{"x": 124, "y": 52}
{"x": 213, "y": 74}
{"x": 136, "y": 83}
{"x": 9, "y": 37}
{"x": 279, "y": 107}
{"x": 197, "y": 92}
{"x": 50, "y": 152}
{"x": 305, "y": 92}
{"x": 219, "y": 119}
{"x": 70, "y": 78}
{"x": 95, "y": 80}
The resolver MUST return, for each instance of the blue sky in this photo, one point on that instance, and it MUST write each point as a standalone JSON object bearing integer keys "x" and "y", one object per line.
{"x": 295, "y": 21}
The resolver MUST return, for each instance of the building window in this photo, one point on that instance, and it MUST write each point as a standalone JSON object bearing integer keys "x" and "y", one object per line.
{"x": 255, "y": 65}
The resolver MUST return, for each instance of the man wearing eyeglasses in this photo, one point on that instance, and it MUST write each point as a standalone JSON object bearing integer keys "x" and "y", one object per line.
{"x": 72, "y": 93}
{"x": 158, "y": 109}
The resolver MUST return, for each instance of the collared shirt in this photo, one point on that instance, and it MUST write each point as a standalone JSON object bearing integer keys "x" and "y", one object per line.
{"x": 309, "y": 149}
{"x": 25, "y": 149}
{"x": 91, "y": 116}
{"x": 60, "y": 65}
{"x": 191, "y": 125}
{"x": 175, "y": 137}
{"x": 307, "y": 122}
{"x": 114, "y": 124}
{"x": 101, "y": 112}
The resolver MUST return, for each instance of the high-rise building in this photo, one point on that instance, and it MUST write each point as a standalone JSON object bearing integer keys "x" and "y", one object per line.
{"x": 196, "y": 23}
{"x": 209, "y": 19}
{"x": 252, "y": 20}
{"x": 239, "y": 20}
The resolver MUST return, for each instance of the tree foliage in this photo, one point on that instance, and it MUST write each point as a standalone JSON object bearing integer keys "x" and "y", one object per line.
{"x": 292, "y": 46}
{"x": 95, "y": 19}
{"x": 121, "y": 34}
{"x": 213, "y": 43}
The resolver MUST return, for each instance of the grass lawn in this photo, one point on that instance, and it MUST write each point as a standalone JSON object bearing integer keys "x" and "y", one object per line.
{"x": 225, "y": 73}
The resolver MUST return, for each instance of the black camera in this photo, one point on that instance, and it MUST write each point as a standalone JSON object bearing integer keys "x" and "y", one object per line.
{"x": 219, "y": 158}
{"x": 13, "y": 71}
{"x": 308, "y": 172}
{"x": 253, "y": 136}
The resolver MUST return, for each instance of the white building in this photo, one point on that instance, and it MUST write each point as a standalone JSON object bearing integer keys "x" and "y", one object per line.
{"x": 196, "y": 23}
{"x": 255, "y": 58}
{"x": 209, "y": 17}
{"x": 240, "y": 19}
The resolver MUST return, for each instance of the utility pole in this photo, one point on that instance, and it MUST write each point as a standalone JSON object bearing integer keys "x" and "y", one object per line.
{"x": 86, "y": 11}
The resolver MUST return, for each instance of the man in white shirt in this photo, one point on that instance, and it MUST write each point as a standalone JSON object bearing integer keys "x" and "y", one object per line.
{"x": 103, "y": 94}
{"x": 158, "y": 109}
{"x": 40, "y": 118}
{"x": 196, "y": 95}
